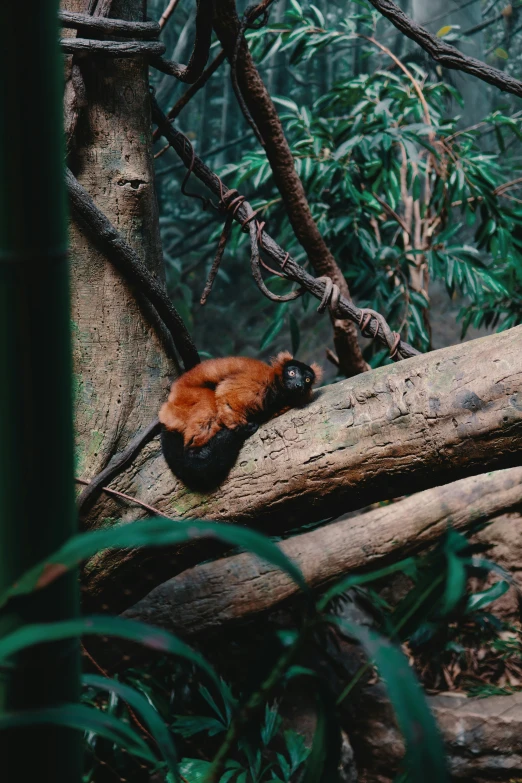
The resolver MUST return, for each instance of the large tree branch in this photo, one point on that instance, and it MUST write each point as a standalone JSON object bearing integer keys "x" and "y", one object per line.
{"x": 222, "y": 591}
{"x": 445, "y": 54}
{"x": 413, "y": 425}
{"x": 265, "y": 117}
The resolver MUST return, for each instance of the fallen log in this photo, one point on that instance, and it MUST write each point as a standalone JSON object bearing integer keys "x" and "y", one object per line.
{"x": 422, "y": 422}
{"x": 211, "y": 594}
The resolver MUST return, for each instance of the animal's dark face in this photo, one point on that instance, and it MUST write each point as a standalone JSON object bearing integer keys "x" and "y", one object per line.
{"x": 297, "y": 378}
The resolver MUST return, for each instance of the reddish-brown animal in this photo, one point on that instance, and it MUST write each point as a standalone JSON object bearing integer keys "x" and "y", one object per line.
{"x": 223, "y": 393}
{"x": 215, "y": 406}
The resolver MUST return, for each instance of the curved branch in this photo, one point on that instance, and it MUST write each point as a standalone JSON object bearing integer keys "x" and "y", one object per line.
{"x": 198, "y": 59}
{"x": 127, "y": 260}
{"x": 445, "y": 54}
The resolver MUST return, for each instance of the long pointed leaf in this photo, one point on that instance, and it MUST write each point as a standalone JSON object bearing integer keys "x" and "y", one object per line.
{"x": 159, "y": 531}
{"x": 137, "y": 701}
{"x": 154, "y": 638}
{"x": 425, "y": 755}
{"x": 82, "y": 718}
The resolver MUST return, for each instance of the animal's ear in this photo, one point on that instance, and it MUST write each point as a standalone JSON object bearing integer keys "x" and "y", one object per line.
{"x": 279, "y": 361}
{"x": 318, "y": 372}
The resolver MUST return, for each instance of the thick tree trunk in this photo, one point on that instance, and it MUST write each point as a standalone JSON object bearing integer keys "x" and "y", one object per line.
{"x": 121, "y": 369}
{"x": 419, "y": 423}
{"x": 212, "y": 594}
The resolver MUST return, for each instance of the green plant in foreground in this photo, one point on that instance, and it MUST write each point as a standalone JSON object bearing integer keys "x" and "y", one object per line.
{"x": 439, "y": 590}
{"x": 424, "y": 747}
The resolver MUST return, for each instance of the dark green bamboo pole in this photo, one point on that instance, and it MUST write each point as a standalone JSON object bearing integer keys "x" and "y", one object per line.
{"x": 36, "y": 443}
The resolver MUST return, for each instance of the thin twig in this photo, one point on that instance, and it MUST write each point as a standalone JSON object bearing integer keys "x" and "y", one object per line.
{"x": 193, "y": 89}
{"x": 116, "y": 493}
{"x": 167, "y": 13}
{"x": 392, "y": 213}
{"x": 118, "y": 463}
{"x": 217, "y": 258}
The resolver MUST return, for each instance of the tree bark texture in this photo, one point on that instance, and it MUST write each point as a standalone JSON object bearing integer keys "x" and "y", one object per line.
{"x": 121, "y": 370}
{"x": 264, "y": 114}
{"x": 405, "y": 427}
{"x": 212, "y": 594}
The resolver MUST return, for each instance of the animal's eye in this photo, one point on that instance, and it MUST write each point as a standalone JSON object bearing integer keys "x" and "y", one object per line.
{"x": 308, "y": 380}
{"x": 291, "y": 373}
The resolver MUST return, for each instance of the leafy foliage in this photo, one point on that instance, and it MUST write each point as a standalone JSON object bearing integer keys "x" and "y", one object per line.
{"x": 403, "y": 195}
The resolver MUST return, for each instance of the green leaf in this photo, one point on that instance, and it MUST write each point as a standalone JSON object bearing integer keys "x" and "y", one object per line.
{"x": 271, "y": 333}
{"x": 455, "y": 587}
{"x": 480, "y": 600}
{"x": 444, "y": 30}
{"x": 193, "y": 770}
{"x": 324, "y": 757}
{"x": 82, "y": 718}
{"x": 150, "y": 716}
{"x": 500, "y": 52}
{"x": 425, "y": 755}
{"x": 158, "y": 531}
{"x": 287, "y": 103}
{"x": 103, "y": 625}
{"x": 189, "y": 725}
{"x": 407, "y": 566}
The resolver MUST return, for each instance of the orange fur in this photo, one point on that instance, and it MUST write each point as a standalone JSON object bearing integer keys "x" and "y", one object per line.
{"x": 220, "y": 393}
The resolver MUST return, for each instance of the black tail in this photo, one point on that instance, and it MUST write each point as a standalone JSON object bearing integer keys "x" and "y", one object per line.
{"x": 206, "y": 467}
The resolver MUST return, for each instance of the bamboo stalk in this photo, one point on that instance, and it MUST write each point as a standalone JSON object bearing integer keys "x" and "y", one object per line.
{"x": 37, "y": 509}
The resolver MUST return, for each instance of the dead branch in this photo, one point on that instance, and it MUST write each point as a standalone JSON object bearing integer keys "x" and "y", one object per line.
{"x": 212, "y": 594}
